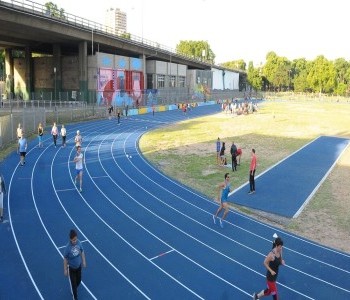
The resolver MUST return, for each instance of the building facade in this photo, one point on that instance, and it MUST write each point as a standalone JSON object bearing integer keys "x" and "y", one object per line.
{"x": 116, "y": 21}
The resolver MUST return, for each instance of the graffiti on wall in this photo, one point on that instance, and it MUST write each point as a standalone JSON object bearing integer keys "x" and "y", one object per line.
{"x": 201, "y": 92}
{"x": 119, "y": 87}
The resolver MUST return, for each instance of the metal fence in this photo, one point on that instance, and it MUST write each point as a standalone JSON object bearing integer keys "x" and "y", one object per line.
{"x": 30, "y": 113}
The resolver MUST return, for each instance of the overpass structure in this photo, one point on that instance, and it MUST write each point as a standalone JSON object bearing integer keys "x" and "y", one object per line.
{"x": 33, "y": 28}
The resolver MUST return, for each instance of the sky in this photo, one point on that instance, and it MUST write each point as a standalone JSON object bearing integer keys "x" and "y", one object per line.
{"x": 234, "y": 29}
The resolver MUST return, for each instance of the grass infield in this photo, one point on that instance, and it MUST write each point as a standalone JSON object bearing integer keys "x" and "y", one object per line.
{"x": 187, "y": 152}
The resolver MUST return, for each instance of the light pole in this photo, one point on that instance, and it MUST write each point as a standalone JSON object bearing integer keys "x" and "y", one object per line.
{"x": 54, "y": 70}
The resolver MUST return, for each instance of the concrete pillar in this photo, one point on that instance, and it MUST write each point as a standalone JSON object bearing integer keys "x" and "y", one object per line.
{"x": 9, "y": 79}
{"x": 57, "y": 71}
{"x": 28, "y": 75}
{"x": 83, "y": 70}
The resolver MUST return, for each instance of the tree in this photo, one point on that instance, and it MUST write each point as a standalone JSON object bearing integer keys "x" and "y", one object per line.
{"x": 53, "y": 10}
{"x": 342, "y": 76}
{"x": 235, "y": 64}
{"x": 277, "y": 71}
{"x": 126, "y": 35}
{"x": 196, "y": 49}
{"x": 254, "y": 77}
{"x": 322, "y": 75}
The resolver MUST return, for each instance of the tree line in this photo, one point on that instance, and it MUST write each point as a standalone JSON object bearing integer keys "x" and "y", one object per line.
{"x": 281, "y": 74}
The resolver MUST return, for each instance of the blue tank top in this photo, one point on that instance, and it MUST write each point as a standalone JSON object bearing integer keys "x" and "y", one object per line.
{"x": 225, "y": 192}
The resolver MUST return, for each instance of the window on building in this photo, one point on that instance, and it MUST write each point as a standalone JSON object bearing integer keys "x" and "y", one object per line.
{"x": 160, "y": 81}
{"x": 172, "y": 81}
{"x": 181, "y": 81}
{"x": 150, "y": 81}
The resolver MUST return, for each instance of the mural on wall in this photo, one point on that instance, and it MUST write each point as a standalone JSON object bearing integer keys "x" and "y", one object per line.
{"x": 136, "y": 88}
{"x": 105, "y": 87}
{"x": 119, "y": 87}
{"x": 201, "y": 92}
{"x": 152, "y": 98}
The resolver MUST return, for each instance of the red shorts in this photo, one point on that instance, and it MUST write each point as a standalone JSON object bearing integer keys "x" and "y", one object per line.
{"x": 272, "y": 288}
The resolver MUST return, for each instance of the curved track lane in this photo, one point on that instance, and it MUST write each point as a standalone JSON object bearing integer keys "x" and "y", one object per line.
{"x": 146, "y": 236}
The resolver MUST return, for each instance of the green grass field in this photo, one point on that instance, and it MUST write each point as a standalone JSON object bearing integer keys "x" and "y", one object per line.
{"x": 187, "y": 152}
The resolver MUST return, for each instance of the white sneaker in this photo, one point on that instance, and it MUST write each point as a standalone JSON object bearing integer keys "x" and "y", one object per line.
{"x": 214, "y": 219}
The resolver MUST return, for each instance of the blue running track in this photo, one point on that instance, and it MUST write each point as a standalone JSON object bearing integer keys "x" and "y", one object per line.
{"x": 288, "y": 186}
{"x": 146, "y": 236}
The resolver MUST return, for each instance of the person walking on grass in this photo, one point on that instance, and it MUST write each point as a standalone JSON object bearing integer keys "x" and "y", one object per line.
{"x": 224, "y": 189}
{"x": 222, "y": 154}
{"x": 272, "y": 262}
{"x": 78, "y": 160}
{"x": 73, "y": 261}
{"x": 233, "y": 152}
{"x": 252, "y": 169}
{"x": 2, "y": 194}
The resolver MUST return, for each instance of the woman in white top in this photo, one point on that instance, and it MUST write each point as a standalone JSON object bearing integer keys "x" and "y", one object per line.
{"x": 78, "y": 139}
{"x": 78, "y": 160}
{"x": 63, "y": 135}
{"x": 19, "y": 131}
{"x": 54, "y": 132}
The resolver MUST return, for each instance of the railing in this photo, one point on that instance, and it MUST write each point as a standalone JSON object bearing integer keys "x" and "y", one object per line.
{"x": 67, "y": 18}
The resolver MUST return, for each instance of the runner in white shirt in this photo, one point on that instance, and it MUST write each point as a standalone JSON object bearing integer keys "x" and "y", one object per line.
{"x": 63, "y": 135}
{"x": 78, "y": 160}
{"x": 54, "y": 132}
{"x": 78, "y": 139}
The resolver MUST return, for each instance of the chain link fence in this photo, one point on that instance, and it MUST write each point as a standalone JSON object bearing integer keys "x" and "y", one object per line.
{"x": 30, "y": 113}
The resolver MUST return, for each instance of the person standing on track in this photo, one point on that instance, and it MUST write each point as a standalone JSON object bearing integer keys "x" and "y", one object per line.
{"x": 78, "y": 160}
{"x": 74, "y": 259}
{"x": 224, "y": 189}
{"x": 252, "y": 169}
{"x": 272, "y": 262}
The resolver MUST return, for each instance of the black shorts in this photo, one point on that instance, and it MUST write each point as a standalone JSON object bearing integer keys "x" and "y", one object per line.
{"x": 22, "y": 154}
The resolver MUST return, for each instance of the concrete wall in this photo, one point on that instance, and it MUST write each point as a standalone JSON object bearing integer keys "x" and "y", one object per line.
{"x": 43, "y": 73}
{"x": 70, "y": 73}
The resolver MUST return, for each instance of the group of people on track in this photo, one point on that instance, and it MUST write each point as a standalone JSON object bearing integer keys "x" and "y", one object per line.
{"x": 22, "y": 146}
